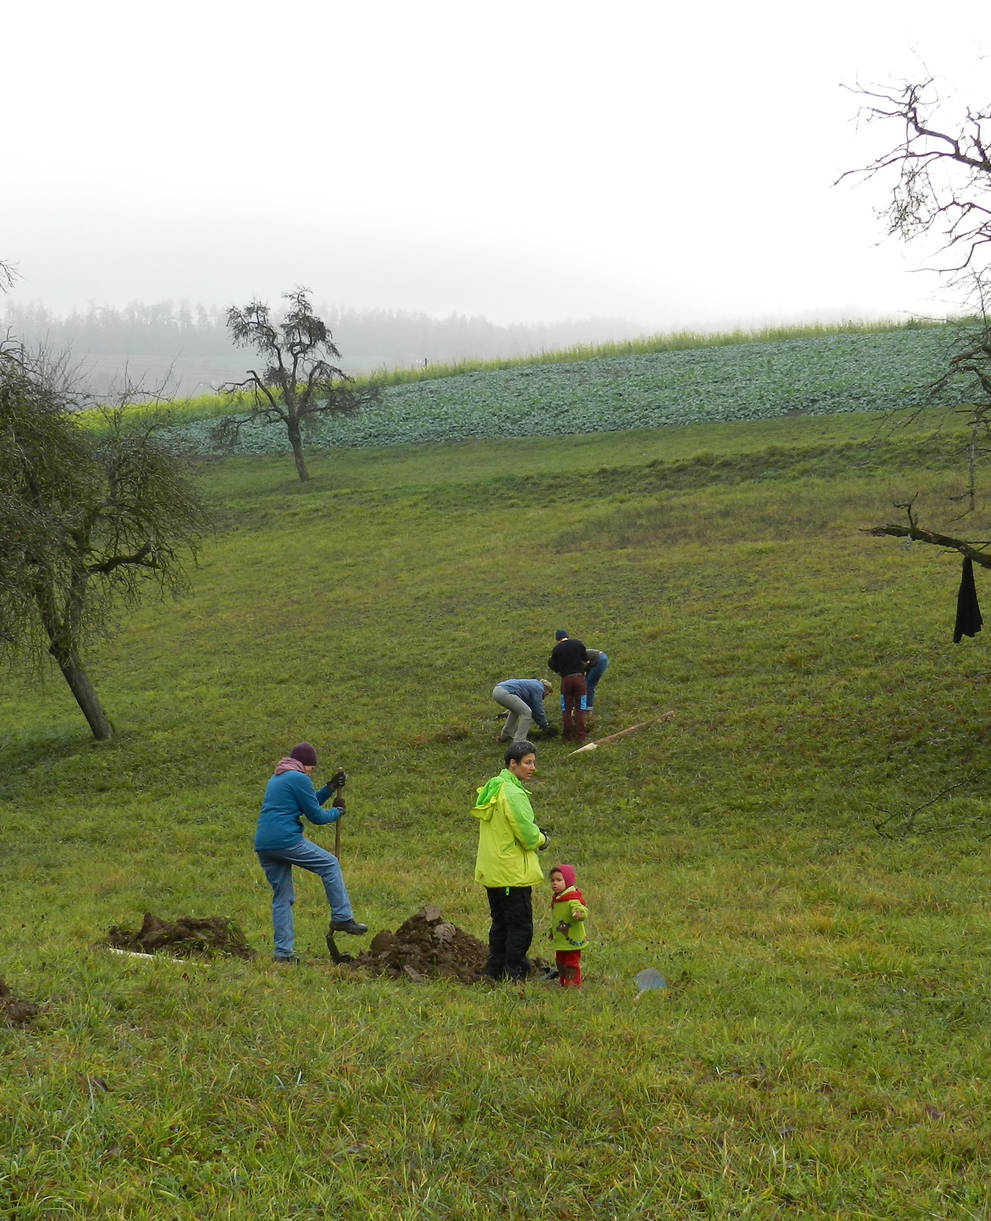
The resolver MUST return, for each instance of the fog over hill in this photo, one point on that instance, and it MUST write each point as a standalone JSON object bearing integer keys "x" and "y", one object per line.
{"x": 189, "y": 347}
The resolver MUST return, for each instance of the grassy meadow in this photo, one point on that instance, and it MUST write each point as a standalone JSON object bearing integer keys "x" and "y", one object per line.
{"x": 802, "y": 852}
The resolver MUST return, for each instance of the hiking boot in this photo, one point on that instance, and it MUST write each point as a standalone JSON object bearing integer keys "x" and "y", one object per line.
{"x": 285, "y": 958}
{"x": 348, "y": 926}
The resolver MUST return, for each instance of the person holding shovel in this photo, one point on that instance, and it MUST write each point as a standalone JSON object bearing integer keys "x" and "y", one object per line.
{"x": 506, "y": 862}
{"x": 279, "y": 842}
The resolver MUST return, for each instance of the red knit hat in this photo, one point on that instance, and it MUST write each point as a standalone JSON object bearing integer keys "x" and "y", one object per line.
{"x": 304, "y": 753}
{"x": 567, "y": 872}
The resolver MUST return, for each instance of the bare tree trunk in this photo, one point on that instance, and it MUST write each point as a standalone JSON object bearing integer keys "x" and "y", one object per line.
{"x": 61, "y": 650}
{"x": 85, "y": 696}
{"x": 296, "y": 441}
{"x": 297, "y": 453}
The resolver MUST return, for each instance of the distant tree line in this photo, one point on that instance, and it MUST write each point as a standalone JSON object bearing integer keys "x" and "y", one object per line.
{"x": 162, "y": 329}
{"x": 195, "y": 337}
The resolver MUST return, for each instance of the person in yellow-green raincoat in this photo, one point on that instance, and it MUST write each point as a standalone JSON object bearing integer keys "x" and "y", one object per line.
{"x": 506, "y": 863}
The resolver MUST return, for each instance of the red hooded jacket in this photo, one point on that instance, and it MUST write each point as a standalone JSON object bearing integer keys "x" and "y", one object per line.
{"x": 568, "y": 908}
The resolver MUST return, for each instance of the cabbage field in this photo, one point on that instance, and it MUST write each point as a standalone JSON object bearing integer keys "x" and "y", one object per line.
{"x": 821, "y": 374}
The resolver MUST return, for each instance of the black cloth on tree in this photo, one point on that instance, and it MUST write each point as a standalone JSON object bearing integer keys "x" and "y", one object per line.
{"x": 968, "y": 612}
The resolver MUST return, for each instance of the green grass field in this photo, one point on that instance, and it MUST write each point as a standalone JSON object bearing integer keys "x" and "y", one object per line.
{"x": 821, "y": 1047}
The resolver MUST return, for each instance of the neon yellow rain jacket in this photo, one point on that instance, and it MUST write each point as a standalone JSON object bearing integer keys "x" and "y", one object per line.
{"x": 508, "y": 836}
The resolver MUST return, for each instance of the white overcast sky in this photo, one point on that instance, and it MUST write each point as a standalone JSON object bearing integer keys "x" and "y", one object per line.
{"x": 667, "y": 163}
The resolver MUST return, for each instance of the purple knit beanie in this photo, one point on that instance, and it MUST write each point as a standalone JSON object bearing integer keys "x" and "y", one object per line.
{"x": 304, "y": 753}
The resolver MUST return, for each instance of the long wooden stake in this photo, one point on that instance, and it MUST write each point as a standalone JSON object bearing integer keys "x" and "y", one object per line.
{"x": 623, "y": 732}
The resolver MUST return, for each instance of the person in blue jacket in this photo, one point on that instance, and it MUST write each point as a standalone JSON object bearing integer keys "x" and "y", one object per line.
{"x": 523, "y": 699}
{"x": 279, "y": 842}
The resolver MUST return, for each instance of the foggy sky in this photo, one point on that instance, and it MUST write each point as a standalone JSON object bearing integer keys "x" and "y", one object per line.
{"x": 527, "y": 162}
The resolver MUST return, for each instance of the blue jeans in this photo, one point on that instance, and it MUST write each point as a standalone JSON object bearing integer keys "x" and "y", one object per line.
{"x": 592, "y": 676}
{"x": 277, "y": 867}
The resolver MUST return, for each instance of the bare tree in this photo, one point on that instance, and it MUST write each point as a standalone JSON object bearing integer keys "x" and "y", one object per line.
{"x": 89, "y": 518}
{"x": 942, "y": 173}
{"x": 300, "y": 381}
{"x": 941, "y": 197}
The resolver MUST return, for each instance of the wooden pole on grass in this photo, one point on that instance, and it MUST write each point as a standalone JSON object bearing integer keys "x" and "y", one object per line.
{"x": 623, "y": 733}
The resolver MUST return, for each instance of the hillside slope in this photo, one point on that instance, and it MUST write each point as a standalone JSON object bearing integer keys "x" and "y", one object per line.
{"x": 815, "y": 375}
{"x": 800, "y": 852}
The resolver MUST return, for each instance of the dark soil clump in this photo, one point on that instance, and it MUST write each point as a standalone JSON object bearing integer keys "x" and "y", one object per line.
{"x": 426, "y": 947}
{"x": 14, "y": 1012}
{"x": 187, "y": 937}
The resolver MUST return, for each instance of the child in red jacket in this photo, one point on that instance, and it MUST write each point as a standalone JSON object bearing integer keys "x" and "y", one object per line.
{"x": 567, "y": 935}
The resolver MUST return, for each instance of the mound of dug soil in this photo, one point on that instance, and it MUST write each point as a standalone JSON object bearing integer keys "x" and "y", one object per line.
{"x": 426, "y": 947}
{"x": 12, "y": 1011}
{"x": 187, "y": 937}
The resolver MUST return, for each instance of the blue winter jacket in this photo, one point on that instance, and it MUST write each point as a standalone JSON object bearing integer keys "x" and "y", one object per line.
{"x": 289, "y": 798}
{"x": 531, "y": 692}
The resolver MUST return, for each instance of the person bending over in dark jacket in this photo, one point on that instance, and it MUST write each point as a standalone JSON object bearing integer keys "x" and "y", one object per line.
{"x": 569, "y": 659}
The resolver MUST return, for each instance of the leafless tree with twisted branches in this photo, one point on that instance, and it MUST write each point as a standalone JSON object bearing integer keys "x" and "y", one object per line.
{"x": 941, "y": 196}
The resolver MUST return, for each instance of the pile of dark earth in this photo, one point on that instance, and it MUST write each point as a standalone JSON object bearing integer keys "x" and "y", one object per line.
{"x": 425, "y": 947}
{"x": 187, "y": 937}
{"x": 14, "y": 1012}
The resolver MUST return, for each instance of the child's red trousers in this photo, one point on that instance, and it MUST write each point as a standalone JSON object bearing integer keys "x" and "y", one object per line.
{"x": 569, "y": 967}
